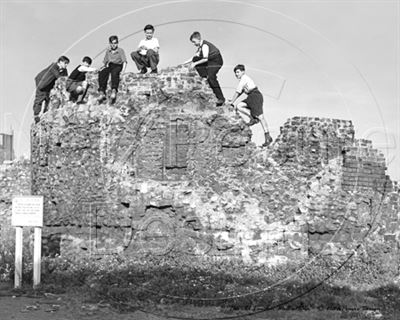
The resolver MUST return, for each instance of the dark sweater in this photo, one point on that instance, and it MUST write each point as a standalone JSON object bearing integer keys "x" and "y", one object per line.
{"x": 46, "y": 78}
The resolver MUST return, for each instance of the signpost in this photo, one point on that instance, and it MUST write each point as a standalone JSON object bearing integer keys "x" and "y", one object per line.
{"x": 27, "y": 211}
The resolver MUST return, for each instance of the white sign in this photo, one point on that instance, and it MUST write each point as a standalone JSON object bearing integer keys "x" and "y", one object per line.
{"x": 27, "y": 211}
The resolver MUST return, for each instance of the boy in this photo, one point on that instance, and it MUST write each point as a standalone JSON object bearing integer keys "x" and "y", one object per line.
{"x": 254, "y": 101}
{"x": 77, "y": 85}
{"x": 147, "y": 55}
{"x": 45, "y": 81}
{"x": 114, "y": 63}
{"x": 207, "y": 61}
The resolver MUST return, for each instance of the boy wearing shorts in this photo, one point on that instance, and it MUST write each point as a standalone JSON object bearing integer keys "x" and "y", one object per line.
{"x": 252, "y": 106}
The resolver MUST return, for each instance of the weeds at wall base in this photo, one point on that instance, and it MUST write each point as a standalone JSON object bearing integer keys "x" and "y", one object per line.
{"x": 230, "y": 285}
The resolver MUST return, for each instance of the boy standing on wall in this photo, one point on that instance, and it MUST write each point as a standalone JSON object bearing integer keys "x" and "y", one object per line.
{"x": 207, "y": 61}
{"x": 45, "y": 81}
{"x": 77, "y": 85}
{"x": 252, "y": 106}
{"x": 114, "y": 63}
{"x": 147, "y": 55}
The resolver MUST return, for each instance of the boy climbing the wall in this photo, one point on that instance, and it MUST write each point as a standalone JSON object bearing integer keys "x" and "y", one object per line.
{"x": 252, "y": 106}
{"x": 45, "y": 81}
{"x": 207, "y": 61}
{"x": 77, "y": 85}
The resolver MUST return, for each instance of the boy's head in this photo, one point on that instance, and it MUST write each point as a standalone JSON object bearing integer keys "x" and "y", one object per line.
{"x": 63, "y": 62}
{"x": 148, "y": 31}
{"x": 86, "y": 61}
{"x": 239, "y": 70}
{"x": 195, "y": 38}
{"x": 113, "y": 40}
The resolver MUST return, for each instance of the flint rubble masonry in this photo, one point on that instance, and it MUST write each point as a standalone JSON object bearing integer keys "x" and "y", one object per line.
{"x": 163, "y": 169}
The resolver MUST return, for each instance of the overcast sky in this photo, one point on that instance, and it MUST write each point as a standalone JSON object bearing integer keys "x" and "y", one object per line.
{"x": 336, "y": 59}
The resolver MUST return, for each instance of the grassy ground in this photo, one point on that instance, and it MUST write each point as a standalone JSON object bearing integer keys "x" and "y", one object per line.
{"x": 355, "y": 287}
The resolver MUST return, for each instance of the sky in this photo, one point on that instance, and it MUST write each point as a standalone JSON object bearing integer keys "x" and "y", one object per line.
{"x": 330, "y": 59}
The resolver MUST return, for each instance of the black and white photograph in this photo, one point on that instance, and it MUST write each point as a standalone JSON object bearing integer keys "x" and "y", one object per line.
{"x": 199, "y": 159}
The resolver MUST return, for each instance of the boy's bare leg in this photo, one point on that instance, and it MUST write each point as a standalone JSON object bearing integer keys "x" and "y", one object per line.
{"x": 264, "y": 125}
{"x": 242, "y": 110}
{"x": 84, "y": 90}
{"x": 263, "y": 122}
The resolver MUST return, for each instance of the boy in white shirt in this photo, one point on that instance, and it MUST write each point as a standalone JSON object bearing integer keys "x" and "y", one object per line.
{"x": 147, "y": 55}
{"x": 252, "y": 106}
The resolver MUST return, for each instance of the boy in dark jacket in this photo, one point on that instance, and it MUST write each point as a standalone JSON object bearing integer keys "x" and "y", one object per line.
{"x": 45, "y": 81}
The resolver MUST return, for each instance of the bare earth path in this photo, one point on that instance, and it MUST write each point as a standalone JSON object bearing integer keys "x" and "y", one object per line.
{"x": 74, "y": 307}
{"x": 59, "y": 308}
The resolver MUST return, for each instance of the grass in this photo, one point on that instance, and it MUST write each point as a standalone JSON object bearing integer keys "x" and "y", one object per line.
{"x": 230, "y": 285}
{"x": 322, "y": 284}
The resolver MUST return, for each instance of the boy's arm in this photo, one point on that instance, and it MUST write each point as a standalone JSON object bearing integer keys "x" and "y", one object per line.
{"x": 48, "y": 76}
{"x": 43, "y": 83}
{"x": 86, "y": 69}
{"x": 105, "y": 60}
{"x": 157, "y": 47}
{"x": 234, "y": 98}
{"x": 124, "y": 61}
{"x": 141, "y": 45}
{"x": 188, "y": 61}
{"x": 237, "y": 94}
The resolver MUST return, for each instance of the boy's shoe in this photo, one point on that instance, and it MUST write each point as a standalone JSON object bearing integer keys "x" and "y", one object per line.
{"x": 73, "y": 97}
{"x": 154, "y": 71}
{"x": 253, "y": 121}
{"x": 113, "y": 96}
{"x": 268, "y": 140}
{"x": 102, "y": 98}
{"x": 220, "y": 102}
{"x": 143, "y": 71}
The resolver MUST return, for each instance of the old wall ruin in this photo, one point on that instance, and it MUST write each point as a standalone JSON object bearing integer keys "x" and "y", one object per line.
{"x": 164, "y": 169}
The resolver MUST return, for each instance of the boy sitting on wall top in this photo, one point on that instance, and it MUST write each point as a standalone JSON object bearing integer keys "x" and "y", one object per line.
{"x": 147, "y": 55}
{"x": 114, "y": 63}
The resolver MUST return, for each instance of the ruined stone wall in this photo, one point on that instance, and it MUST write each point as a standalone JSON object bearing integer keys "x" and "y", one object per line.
{"x": 364, "y": 168}
{"x": 165, "y": 170}
{"x": 348, "y": 193}
{"x": 312, "y": 142}
{"x": 15, "y": 180}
